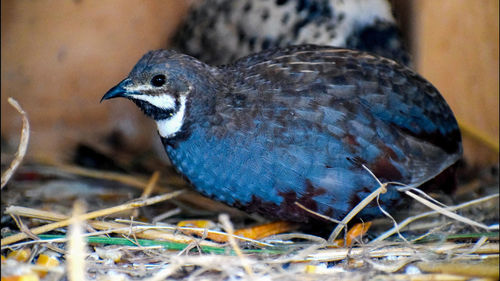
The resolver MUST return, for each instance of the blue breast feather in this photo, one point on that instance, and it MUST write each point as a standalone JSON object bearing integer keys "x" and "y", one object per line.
{"x": 239, "y": 167}
{"x": 236, "y": 170}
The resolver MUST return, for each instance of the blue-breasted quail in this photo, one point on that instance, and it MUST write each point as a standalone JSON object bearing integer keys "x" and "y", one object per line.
{"x": 296, "y": 124}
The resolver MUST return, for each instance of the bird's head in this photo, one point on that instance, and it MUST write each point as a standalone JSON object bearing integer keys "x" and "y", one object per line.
{"x": 162, "y": 84}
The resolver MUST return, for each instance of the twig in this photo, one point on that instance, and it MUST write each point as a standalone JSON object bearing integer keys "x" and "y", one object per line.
{"x": 133, "y": 181}
{"x": 224, "y": 219}
{"x": 392, "y": 267}
{"x": 474, "y": 248}
{"x": 337, "y": 254}
{"x": 317, "y": 214}
{"x": 289, "y": 236}
{"x": 394, "y": 222}
{"x": 151, "y": 185}
{"x": 148, "y": 190}
{"x": 131, "y": 205}
{"x": 447, "y": 212}
{"x": 140, "y": 182}
{"x": 164, "y": 273}
{"x": 201, "y": 231}
{"x": 409, "y": 220}
{"x": 23, "y": 143}
{"x": 382, "y": 189}
{"x": 76, "y": 247}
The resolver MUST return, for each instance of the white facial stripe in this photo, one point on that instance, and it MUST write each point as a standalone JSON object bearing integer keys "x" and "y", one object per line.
{"x": 161, "y": 101}
{"x": 169, "y": 127}
{"x": 138, "y": 88}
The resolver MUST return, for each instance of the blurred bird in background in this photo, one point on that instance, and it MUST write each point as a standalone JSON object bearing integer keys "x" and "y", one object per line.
{"x": 221, "y": 31}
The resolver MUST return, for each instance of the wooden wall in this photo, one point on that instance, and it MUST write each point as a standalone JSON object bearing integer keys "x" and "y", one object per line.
{"x": 456, "y": 47}
{"x": 60, "y": 57}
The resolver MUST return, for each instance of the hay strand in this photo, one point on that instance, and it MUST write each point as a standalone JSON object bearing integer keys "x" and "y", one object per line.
{"x": 23, "y": 143}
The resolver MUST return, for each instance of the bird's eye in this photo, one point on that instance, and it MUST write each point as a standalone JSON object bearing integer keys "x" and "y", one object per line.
{"x": 158, "y": 80}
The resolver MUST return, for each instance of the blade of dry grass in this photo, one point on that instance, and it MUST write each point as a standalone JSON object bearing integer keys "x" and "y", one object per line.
{"x": 448, "y": 248}
{"x": 99, "y": 213}
{"x": 360, "y": 206}
{"x": 201, "y": 231}
{"x": 316, "y": 213}
{"x": 34, "y": 213}
{"x": 148, "y": 233}
{"x": 133, "y": 181}
{"x": 407, "y": 221}
{"x": 142, "y": 230}
{"x": 76, "y": 245}
{"x": 23, "y": 143}
{"x": 392, "y": 267}
{"x": 472, "y": 269}
{"x": 164, "y": 273}
{"x": 189, "y": 197}
{"x": 228, "y": 226}
{"x": 447, "y": 212}
{"x": 148, "y": 190}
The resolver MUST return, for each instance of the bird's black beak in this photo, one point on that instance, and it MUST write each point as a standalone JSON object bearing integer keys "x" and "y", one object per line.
{"x": 117, "y": 91}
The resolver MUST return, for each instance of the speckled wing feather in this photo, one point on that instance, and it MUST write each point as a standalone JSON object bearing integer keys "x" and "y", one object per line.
{"x": 348, "y": 108}
{"x": 390, "y": 91}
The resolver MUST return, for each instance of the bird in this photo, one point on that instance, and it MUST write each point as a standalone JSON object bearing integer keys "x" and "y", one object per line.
{"x": 221, "y": 31}
{"x": 314, "y": 125}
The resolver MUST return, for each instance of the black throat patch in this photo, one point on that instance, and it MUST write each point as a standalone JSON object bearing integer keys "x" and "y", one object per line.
{"x": 154, "y": 112}
{"x": 180, "y": 136}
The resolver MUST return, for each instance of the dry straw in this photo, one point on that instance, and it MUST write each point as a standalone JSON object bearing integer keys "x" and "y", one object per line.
{"x": 23, "y": 143}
